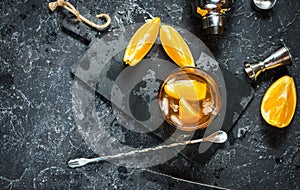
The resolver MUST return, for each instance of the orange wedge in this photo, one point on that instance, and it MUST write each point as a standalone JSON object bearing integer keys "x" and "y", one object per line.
{"x": 188, "y": 113}
{"x": 279, "y": 103}
{"x": 141, "y": 42}
{"x": 175, "y": 46}
{"x": 187, "y": 89}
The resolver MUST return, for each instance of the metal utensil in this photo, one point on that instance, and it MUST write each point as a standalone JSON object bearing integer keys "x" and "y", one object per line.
{"x": 184, "y": 180}
{"x": 278, "y": 58}
{"x": 216, "y": 137}
{"x": 214, "y": 14}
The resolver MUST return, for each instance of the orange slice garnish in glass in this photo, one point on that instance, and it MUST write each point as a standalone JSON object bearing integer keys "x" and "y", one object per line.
{"x": 189, "y": 113}
{"x": 279, "y": 103}
{"x": 187, "y": 89}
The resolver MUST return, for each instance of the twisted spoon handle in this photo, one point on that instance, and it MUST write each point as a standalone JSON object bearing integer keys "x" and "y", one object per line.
{"x": 217, "y": 137}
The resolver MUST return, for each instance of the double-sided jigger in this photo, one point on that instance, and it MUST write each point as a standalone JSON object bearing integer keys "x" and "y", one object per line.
{"x": 279, "y": 57}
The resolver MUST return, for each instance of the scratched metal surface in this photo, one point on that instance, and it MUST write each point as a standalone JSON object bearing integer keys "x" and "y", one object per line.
{"x": 38, "y": 132}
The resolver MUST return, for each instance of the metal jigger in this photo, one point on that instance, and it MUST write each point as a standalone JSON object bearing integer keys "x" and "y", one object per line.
{"x": 280, "y": 57}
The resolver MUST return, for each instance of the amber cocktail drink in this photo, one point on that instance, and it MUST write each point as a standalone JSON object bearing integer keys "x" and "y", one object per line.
{"x": 189, "y": 99}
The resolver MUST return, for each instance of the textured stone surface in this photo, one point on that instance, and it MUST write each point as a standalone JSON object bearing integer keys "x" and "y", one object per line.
{"x": 38, "y": 134}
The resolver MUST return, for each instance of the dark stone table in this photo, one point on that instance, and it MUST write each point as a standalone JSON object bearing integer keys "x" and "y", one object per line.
{"x": 38, "y": 134}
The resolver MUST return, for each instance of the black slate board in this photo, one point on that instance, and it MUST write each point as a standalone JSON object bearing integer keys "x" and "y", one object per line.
{"x": 101, "y": 69}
